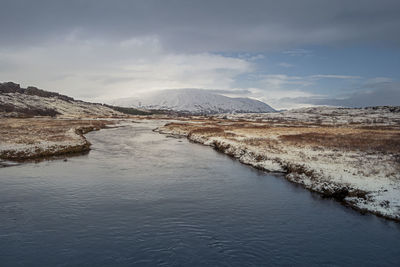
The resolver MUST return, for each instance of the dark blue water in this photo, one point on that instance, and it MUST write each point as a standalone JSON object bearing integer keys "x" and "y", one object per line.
{"x": 141, "y": 199}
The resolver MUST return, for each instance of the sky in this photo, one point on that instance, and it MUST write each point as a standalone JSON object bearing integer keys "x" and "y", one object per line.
{"x": 286, "y": 53}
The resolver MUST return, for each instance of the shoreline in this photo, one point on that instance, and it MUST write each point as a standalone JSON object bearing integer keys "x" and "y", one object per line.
{"x": 47, "y": 139}
{"x": 369, "y": 194}
{"x": 363, "y": 181}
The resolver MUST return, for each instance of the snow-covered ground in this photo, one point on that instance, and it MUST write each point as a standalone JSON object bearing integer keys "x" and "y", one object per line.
{"x": 67, "y": 109}
{"x": 194, "y": 101}
{"x": 363, "y": 173}
{"x": 376, "y": 116}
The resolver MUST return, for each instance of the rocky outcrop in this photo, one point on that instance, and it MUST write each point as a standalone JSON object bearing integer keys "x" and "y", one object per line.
{"x": 27, "y": 111}
{"x": 10, "y": 87}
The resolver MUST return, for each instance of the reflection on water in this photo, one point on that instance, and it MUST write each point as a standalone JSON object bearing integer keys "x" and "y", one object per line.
{"x": 139, "y": 198}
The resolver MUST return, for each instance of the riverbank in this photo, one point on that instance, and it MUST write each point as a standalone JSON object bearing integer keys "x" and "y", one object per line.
{"x": 203, "y": 207}
{"x": 356, "y": 164}
{"x": 37, "y": 138}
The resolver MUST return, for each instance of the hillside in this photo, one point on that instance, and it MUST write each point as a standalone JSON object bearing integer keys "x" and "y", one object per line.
{"x": 31, "y": 101}
{"x": 195, "y": 101}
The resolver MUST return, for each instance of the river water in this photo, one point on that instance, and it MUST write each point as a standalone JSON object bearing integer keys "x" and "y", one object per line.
{"x": 142, "y": 199}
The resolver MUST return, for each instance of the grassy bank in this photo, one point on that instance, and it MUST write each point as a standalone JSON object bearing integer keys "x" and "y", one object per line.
{"x": 34, "y": 138}
{"x": 359, "y": 166}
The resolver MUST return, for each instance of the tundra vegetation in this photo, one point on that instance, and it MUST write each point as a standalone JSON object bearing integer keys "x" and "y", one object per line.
{"x": 352, "y": 155}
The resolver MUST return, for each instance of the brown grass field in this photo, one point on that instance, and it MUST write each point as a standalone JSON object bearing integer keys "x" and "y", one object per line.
{"x": 33, "y": 132}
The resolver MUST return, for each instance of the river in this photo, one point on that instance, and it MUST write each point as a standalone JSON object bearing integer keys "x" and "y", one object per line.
{"x": 140, "y": 198}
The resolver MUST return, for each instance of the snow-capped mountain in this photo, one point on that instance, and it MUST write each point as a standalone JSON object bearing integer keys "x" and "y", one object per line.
{"x": 195, "y": 101}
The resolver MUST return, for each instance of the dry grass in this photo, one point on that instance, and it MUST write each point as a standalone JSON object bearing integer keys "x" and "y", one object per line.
{"x": 268, "y": 135}
{"x": 368, "y": 141}
{"x": 55, "y": 134}
{"x": 28, "y": 131}
{"x": 208, "y": 130}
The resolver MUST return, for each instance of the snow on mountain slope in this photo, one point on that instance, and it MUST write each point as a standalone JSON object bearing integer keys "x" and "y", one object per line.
{"x": 20, "y": 102}
{"x": 195, "y": 101}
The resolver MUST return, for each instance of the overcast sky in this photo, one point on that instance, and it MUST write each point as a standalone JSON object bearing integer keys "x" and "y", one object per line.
{"x": 286, "y": 53}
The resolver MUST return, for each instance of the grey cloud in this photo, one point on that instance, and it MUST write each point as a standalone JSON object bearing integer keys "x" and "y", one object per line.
{"x": 377, "y": 94}
{"x": 330, "y": 76}
{"x": 114, "y": 80}
{"x": 297, "y": 52}
{"x": 214, "y": 25}
{"x": 219, "y": 91}
{"x": 285, "y": 65}
{"x": 7, "y": 65}
{"x": 232, "y": 91}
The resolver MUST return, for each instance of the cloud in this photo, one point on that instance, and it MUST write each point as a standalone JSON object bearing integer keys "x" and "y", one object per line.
{"x": 297, "y": 52}
{"x": 373, "y": 94}
{"x": 231, "y": 92}
{"x": 285, "y": 82}
{"x": 330, "y": 76}
{"x": 280, "y": 99}
{"x": 101, "y": 49}
{"x": 102, "y": 69}
{"x": 286, "y": 92}
{"x": 285, "y": 65}
{"x": 209, "y": 25}
{"x": 282, "y": 82}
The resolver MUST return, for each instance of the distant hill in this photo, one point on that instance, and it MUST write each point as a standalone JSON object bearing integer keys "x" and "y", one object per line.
{"x": 194, "y": 101}
{"x": 31, "y": 101}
